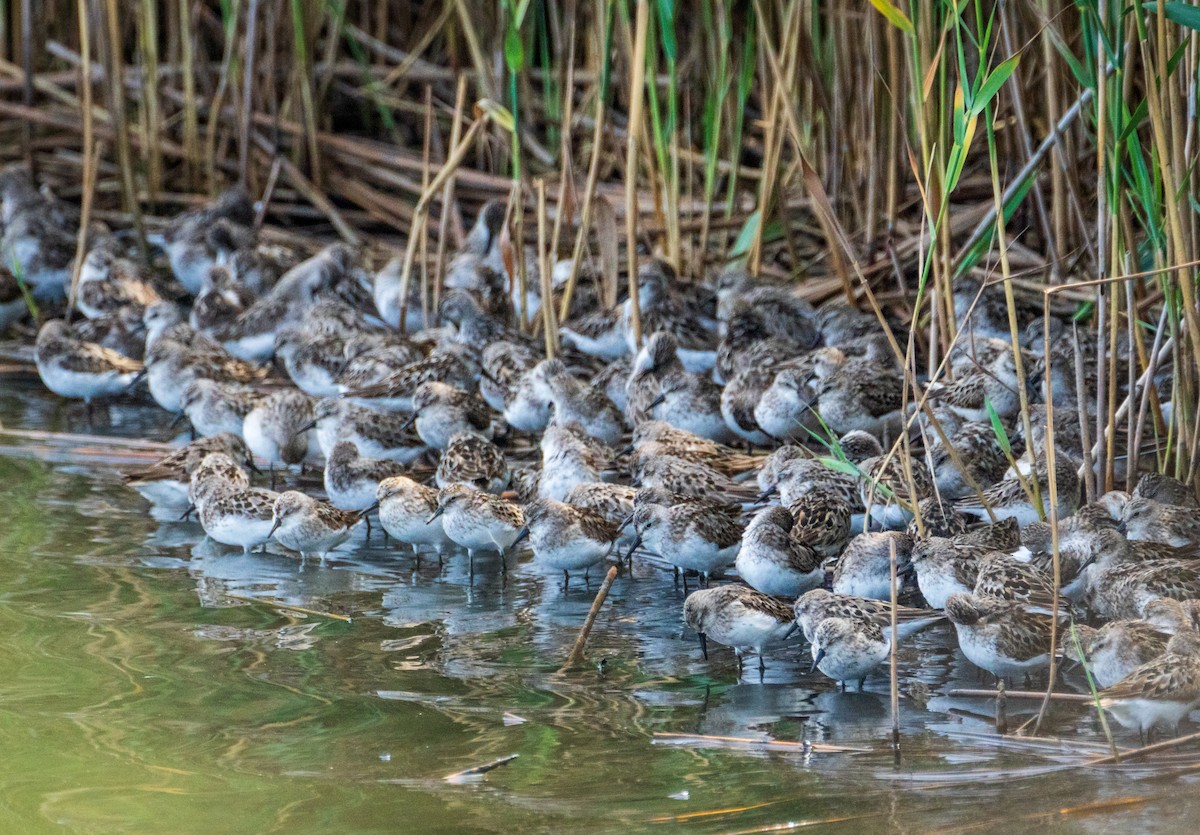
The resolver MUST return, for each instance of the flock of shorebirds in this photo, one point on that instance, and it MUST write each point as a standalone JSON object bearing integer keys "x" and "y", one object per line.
{"x": 447, "y": 423}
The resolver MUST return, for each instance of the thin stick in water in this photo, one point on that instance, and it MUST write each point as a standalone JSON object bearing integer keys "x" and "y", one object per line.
{"x": 576, "y": 656}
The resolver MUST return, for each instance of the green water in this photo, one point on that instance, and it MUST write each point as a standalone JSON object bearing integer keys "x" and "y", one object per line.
{"x": 138, "y": 696}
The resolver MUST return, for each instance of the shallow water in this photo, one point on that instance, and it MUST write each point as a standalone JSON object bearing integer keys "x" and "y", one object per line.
{"x": 139, "y": 696}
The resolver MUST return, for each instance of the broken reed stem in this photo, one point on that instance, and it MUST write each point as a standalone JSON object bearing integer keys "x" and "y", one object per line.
{"x": 576, "y": 656}
{"x": 1137, "y": 753}
{"x": 636, "y": 102}
{"x": 1017, "y": 694}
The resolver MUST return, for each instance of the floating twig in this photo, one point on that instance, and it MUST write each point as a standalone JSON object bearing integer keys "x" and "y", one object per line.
{"x": 279, "y": 604}
{"x": 805, "y": 747}
{"x": 476, "y": 773}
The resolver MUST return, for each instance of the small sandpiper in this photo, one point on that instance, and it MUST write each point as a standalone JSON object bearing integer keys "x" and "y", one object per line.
{"x": 655, "y": 437}
{"x": 1160, "y": 692}
{"x": 213, "y": 408}
{"x": 738, "y": 617}
{"x": 787, "y": 409}
{"x": 847, "y": 650}
{"x": 440, "y": 412}
{"x": 864, "y": 567}
{"x": 699, "y": 536}
{"x": 1000, "y": 636}
{"x": 109, "y": 281}
{"x": 473, "y": 461}
{"x": 405, "y": 508}
{"x": 857, "y": 394}
{"x": 774, "y": 563}
{"x": 1171, "y": 616}
{"x": 822, "y": 522}
{"x": 567, "y": 538}
{"x": 240, "y": 516}
{"x": 186, "y": 242}
{"x": 1007, "y": 498}
{"x": 81, "y": 370}
{"x": 309, "y": 526}
{"x": 945, "y": 567}
{"x": 813, "y": 607}
{"x": 376, "y": 434}
{"x": 570, "y": 456}
{"x": 690, "y": 478}
{"x": 479, "y": 521}
{"x": 575, "y": 402}
{"x": 1170, "y": 524}
{"x": 352, "y": 480}
{"x": 166, "y": 481}
{"x": 274, "y": 428}
{"x": 1165, "y": 489}
{"x": 1118, "y": 648}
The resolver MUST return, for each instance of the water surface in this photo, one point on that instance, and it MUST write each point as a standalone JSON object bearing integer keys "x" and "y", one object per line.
{"x": 143, "y": 692}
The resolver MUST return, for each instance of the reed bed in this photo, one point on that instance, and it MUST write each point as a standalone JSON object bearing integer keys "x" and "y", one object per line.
{"x": 876, "y": 152}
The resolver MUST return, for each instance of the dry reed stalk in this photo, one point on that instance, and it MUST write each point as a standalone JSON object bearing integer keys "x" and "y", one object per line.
{"x": 549, "y": 326}
{"x": 636, "y": 104}
{"x": 447, "y": 201}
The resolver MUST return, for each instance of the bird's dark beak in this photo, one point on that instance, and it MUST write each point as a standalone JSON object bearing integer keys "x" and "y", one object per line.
{"x": 625, "y": 523}
{"x": 817, "y": 660}
{"x": 435, "y": 515}
{"x": 408, "y": 421}
{"x": 657, "y": 400}
{"x": 178, "y": 420}
{"x": 637, "y": 541}
{"x": 191, "y": 509}
{"x": 521, "y": 534}
{"x": 628, "y": 450}
{"x": 310, "y": 425}
{"x": 791, "y": 631}
{"x": 764, "y": 496}
{"x": 274, "y": 528}
{"x": 369, "y": 510}
{"x": 703, "y": 644}
{"x": 1122, "y": 528}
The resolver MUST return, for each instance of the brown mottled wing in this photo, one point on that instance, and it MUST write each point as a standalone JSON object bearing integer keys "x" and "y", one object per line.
{"x": 880, "y": 390}
{"x": 595, "y": 324}
{"x": 1026, "y": 634}
{"x": 96, "y": 359}
{"x": 720, "y": 528}
{"x": 1004, "y": 535}
{"x": 595, "y": 526}
{"x": 335, "y": 518}
{"x": 770, "y": 606}
{"x": 1166, "y": 677}
{"x": 967, "y": 392}
{"x": 479, "y": 414}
